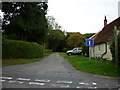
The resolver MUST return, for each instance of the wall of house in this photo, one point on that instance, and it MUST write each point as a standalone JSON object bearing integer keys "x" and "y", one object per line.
{"x": 99, "y": 50}
{"x": 108, "y": 55}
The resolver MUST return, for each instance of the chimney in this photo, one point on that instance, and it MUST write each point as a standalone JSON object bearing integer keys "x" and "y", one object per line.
{"x": 105, "y": 21}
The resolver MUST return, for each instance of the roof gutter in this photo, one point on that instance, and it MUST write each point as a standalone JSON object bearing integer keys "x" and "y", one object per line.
{"x": 105, "y": 50}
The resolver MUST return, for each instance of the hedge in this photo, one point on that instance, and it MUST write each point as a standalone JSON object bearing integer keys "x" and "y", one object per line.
{"x": 21, "y": 49}
{"x": 112, "y": 47}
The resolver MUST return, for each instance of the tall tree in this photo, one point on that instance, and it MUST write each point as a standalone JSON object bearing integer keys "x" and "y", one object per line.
{"x": 25, "y": 20}
{"x": 52, "y": 24}
{"x": 56, "y": 40}
{"x": 88, "y": 35}
{"x": 76, "y": 40}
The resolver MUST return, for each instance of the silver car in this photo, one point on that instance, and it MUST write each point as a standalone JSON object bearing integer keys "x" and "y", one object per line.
{"x": 74, "y": 51}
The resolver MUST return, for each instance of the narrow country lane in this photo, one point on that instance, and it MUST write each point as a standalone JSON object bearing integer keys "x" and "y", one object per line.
{"x": 52, "y": 72}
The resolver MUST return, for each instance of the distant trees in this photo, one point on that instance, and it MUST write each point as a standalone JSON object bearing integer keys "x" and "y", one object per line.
{"x": 52, "y": 24}
{"x": 56, "y": 37}
{"x": 88, "y": 35}
{"x": 25, "y": 21}
{"x": 56, "y": 40}
{"x": 76, "y": 40}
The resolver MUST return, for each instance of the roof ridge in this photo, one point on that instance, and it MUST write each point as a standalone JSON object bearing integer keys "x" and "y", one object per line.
{"x": 106, "y": 32}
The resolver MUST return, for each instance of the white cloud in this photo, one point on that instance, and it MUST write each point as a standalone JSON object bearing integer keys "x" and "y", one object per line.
{"x": 83, "y": 16}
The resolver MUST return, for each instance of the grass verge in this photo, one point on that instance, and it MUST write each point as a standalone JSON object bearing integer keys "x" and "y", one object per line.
{"x": 9, "y": 62}
{"x": 105, "y": 68}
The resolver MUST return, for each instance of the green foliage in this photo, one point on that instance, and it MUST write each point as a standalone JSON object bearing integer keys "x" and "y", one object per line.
{"x": 112, "y": 47}
{"x": 65, "y": 49}
{"x": 85, "y": 50}
{"x": 69, "y": 34}
{"x": 52, "y": 24}
{"x": 48, "y": 50}
{"x": 56, "y": 40}
{"x": 88, "y": 35}
{"x": 76, "y": 40}
{"x": 21, "y": 49}
{"x": 27, "y": 21}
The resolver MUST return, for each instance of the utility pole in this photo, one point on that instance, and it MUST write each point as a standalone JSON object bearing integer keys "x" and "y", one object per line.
{"x": 116, "y": 32}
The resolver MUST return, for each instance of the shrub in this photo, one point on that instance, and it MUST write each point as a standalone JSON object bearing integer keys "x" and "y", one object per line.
{"x": 112, "y": 47}
{"x": 85, "y": 50}
{"x": 48, "y": 50}
{"x": 21, "y": 49}
{"x": 65, "y": 49}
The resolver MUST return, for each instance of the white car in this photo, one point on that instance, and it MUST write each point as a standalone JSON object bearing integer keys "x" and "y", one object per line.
{"x": 74, "y": 51}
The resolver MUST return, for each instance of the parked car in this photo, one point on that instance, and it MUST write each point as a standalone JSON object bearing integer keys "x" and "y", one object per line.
{"x": 77, "y": 50}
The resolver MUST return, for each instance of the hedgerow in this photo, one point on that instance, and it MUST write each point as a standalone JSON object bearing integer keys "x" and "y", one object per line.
{"x": 112, "y": 47}
{"x": 21, "y": 49}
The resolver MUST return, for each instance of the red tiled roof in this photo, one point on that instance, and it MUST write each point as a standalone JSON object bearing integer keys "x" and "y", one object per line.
{"x": 107, "y": 32}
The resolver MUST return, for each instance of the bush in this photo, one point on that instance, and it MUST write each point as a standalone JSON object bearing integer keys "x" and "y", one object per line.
{"x": 21, "y": 49}
{"x": 48, "y": 50}
{"x": 65, "y": 49}
{"x": 85, "y": 50}
{"x": 112, "y": 47}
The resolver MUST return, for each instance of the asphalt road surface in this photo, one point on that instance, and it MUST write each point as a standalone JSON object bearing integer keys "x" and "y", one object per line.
{"x": 52, "y": 72}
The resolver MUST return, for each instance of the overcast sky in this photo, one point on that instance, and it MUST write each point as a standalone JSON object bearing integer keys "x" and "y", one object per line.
{"x": 84, "y": 16}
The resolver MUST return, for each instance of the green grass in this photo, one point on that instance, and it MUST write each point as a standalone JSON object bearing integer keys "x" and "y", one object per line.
{"x": 9, "y": 62}
{"x": 106, "y": 68}
{"x": 47, "y": 53}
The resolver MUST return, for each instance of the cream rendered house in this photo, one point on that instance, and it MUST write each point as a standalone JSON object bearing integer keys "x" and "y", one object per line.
{"x": 101, "y": 49}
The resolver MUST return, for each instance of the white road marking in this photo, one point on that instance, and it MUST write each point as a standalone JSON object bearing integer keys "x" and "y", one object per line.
{"x": 16, "y": 82}
{"x": 6, "y": 77}
{"x": 60, "y": 85}
{"x": 86, "y": 84}
{"x": 35, "y": 83}
{"x": 42, "y": 80}
{"x": 79, "y": 87}
{"x": 68, "y": 82}
{"x": 24, "y": 79}
{"x": 92, "y": 87}
{"x": 82, "y": 83}
{"x": 2, "y": 80}
{"x": 94, "y": 83}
